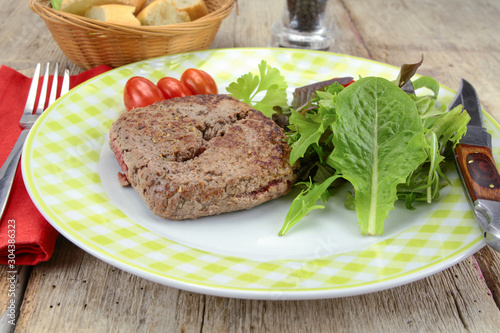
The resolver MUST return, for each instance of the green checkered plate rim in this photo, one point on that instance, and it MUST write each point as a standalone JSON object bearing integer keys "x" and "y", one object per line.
{"x": 62, "y": 169}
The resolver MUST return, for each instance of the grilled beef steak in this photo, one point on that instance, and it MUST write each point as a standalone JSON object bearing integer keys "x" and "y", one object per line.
{"x": 201, "y": 155}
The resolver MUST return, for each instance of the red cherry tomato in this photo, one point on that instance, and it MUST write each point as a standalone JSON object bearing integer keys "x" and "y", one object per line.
{"x": 140, "y": 92}
{"x": 171, "y": 88}
{"x": 199, "y": 82}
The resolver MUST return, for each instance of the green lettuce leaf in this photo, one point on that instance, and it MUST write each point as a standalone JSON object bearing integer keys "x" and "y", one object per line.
{"x": 248, "y": 86}
{"x": 427, "y": 82}
{"x": 305, "y": 202}
{"x": 379, "y": 141}
{"x": 311, "y": 129}
{"x": 443, "y": 129}
{"x": 56, "y": 4}
{"x": 450, "y": 126}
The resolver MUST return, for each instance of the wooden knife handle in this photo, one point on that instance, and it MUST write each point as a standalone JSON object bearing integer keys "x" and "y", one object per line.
{"x": 479, "y": 172}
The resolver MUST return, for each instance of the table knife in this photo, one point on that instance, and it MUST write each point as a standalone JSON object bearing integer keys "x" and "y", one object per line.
{"x": 476, "y": 166}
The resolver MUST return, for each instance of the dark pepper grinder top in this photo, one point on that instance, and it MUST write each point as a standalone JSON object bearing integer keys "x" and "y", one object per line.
{"x": 304, "y": 24}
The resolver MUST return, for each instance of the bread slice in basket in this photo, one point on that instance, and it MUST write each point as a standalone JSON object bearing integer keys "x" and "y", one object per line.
{"x": 79, "y": 7}
{"x": 115, "y": 14}
{"x": 194, "y": 8}
{"x": 162, "y": 12}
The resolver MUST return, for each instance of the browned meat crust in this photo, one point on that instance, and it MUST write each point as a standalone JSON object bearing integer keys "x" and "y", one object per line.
{"x": 201, "y": 155}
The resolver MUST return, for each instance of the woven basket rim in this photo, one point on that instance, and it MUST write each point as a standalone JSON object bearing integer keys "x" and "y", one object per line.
{"x": 212, "y": 18}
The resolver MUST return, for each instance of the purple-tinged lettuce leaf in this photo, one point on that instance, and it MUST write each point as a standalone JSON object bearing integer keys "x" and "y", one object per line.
{"x": 302, "y": 95}
{"x": 407, "y": 71}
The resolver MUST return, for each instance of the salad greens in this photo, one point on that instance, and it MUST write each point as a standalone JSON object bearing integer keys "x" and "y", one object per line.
{"x": 379, "y": 140}
{"x": 380, "y": 136}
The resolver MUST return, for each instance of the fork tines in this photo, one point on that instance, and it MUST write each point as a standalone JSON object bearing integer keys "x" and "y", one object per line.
{"x": 53, "y": 89}
{"x": 31, "y": 114}
{"x": 43, "y": 92}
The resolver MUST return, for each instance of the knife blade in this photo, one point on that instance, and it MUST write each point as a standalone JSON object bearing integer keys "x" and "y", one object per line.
{"x": 476, "y": 166}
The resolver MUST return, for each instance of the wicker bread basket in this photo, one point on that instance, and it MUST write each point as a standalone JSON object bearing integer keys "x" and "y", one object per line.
{"x": 89, "y": 43}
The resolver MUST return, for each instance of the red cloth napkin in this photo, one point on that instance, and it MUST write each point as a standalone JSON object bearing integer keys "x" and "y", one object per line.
{"x": 35, "y": 238}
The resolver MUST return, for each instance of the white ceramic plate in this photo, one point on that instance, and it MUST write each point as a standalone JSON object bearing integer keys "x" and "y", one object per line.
{"x": 71, "y": 175}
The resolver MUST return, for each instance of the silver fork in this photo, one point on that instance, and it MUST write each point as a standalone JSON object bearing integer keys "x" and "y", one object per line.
{"x": 30, "y": 115}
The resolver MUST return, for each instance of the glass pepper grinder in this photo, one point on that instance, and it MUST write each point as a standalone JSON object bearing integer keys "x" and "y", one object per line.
{"x": 304, "y": 24}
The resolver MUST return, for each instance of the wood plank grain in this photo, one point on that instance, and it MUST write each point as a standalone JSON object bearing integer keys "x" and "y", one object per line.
{"x": 13, "y": 282}
{"x": 250, "y": 26}
{"x": 25, "y": 39}
{"x": 76, "y": 290}
{"x": 443, "y": 302}
{"x": 454, "y": 36}
{"x": 247, "y": 26}
{"x": 489, "y": 263}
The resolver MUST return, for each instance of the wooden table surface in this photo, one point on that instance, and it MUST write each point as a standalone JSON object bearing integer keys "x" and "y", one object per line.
{"x": 75, "y": 292}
